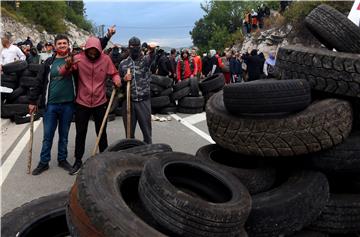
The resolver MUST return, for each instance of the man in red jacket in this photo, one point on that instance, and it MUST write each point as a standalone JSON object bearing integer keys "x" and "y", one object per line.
{"x": 93, "y": 66}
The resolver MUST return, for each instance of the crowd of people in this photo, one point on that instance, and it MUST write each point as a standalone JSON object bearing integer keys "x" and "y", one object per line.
{"x": 65, "y": 89}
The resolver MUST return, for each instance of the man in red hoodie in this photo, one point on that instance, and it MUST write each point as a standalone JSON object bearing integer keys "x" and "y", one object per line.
{"x": 93, "y": 66}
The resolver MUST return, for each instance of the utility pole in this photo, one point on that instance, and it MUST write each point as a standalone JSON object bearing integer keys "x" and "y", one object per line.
{"x": 102, "y": 30}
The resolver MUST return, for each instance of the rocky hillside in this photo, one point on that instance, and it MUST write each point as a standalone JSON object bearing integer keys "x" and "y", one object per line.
{"x": 22, "y": 31}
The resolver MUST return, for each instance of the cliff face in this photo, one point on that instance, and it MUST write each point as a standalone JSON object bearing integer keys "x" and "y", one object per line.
{"x": 270, "y": 40}
{"x": 21, "y": 31}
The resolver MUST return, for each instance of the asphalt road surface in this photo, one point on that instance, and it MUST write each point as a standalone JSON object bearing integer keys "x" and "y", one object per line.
{"x": 184, "y": 133}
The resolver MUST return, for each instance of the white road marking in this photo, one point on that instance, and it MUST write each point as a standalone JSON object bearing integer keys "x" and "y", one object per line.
{"x": 196, "y": 118}
{"x": 15, "y": 154}
{"x": 193, "y": 128}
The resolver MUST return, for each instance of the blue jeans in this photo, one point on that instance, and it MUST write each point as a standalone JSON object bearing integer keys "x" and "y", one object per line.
{"x": 55, "y": 114}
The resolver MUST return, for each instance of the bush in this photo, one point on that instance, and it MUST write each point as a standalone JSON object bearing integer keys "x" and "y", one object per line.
{"x": 299, "y": 10}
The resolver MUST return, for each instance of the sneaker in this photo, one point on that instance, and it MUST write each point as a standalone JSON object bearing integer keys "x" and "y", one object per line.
{"x": 65, "y": 165}
{"x": 76, "y": 167}
{"x": 40, "y": 168}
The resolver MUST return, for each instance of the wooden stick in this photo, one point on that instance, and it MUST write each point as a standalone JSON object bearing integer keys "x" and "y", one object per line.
{"x": 31, "y": 142}
{"x": 128, "y": 108}
{"x": 104, "y": 121}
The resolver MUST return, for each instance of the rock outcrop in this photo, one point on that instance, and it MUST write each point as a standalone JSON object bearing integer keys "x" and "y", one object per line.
{"x": 21, "y": 31}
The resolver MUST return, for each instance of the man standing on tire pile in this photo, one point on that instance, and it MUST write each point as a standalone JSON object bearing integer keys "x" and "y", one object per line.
{"x": 93, "y": 66}
{"x": 139, "y": 78}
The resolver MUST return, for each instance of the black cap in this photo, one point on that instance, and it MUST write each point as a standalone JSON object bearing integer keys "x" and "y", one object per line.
{"x": 134, "y": 41}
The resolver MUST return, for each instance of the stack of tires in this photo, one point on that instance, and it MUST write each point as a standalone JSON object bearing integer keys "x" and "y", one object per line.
{"x": 161, "y": 95}
{"x": 212, "y": 84}
{"x": 312, "y": 144}
{"x": 151, "y": 191}
{"x": 22, "y": 78}
{"x": 188, "y": 96}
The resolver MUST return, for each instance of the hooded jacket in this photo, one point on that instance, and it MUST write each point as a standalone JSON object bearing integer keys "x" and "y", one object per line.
{"x": 92, "y": 75}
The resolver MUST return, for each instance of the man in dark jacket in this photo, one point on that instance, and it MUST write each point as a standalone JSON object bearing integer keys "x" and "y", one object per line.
{"x": 115, "y": 56}
{"x": 172, "y": 59}
{"x": 235, "y": 68}
{"x": 254, "y": 66}
{"x": 59, "y": 94}
{"x": 140, "y": 89}
{"x": 163, "y": 64}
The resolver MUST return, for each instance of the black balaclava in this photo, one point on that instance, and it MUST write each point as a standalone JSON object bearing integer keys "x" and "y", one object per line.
{"x": 97, "y": 55}
{"x": 134, "y": 51}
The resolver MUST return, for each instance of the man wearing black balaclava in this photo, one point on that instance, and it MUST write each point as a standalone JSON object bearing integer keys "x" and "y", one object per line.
{"x": 140, "y": 89}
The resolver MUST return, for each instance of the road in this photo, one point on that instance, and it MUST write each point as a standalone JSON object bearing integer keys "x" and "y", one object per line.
{"x": 184, "y": 133}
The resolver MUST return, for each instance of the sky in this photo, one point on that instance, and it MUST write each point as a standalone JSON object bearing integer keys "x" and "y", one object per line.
{"x": 167, "y": 23}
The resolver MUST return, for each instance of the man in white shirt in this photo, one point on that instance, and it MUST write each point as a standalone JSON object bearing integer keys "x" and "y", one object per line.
{"x": 9, "y": 53}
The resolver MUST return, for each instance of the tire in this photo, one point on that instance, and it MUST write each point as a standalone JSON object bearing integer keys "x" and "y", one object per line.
{"x": 191, "y": 198}
{"x": 159, "y": 102}
{"x": 305, "y": 193}
{"x": 179, "y": 94}
{"x": 341, "y": 215}
{"x": 38, "y": 68}
{"x": 15, "y": 94}
{"x": 124, "y": 144}
{"x": 111, "y": 117}
{"x": 166, "y": 92}
{"x": 16, "y": 66}
{"x": 41, "y": 217}
{"x": 181, "y": 85}
{"x": 23, "y": 99}
{"x": 190, "y": 110}
{"x": 321, "y": 126}
{"x": 29, "y": 81}
{"x": 333, "y": 29}
{"x": 168, "y": 110}
{"x": 344, "y": 183}
{"x": 28, "y": 73}
{"x": 192, "y": 102}
{"x": 249, "y": 170}
{"x": 343, "y": 158}
{"x": 213, "y": 83}
{"x": 10, "y": 110}
{"x": 8, "y": 84}
{"x": 109, "y": 205}
{"x": 333, "y": 72}
{"x": 309, "y": 233}
{"x": 194, "y": 86}
{"x": 149, "y": 149}
{"x": 9, "y": 78}
{"x": 156, "y": 89}
{"x": 23, "y": 119}
{"x": 267, "y": 96}
{"x": 162, "y": 81}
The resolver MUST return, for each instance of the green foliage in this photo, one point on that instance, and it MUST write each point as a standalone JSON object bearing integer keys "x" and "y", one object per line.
{"x": 299, "y": 10}
{"x": 78, "y": 20}
{"x": 49, "y": 15}
{"x": 221, "y": 26}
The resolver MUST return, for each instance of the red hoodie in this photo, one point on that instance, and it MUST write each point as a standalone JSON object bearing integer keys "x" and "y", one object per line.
{"x": 91, "y": 91}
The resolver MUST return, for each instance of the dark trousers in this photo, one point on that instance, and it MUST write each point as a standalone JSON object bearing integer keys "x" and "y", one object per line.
{"x": 82, "y": 116}
{"x": 140, "y": 112}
